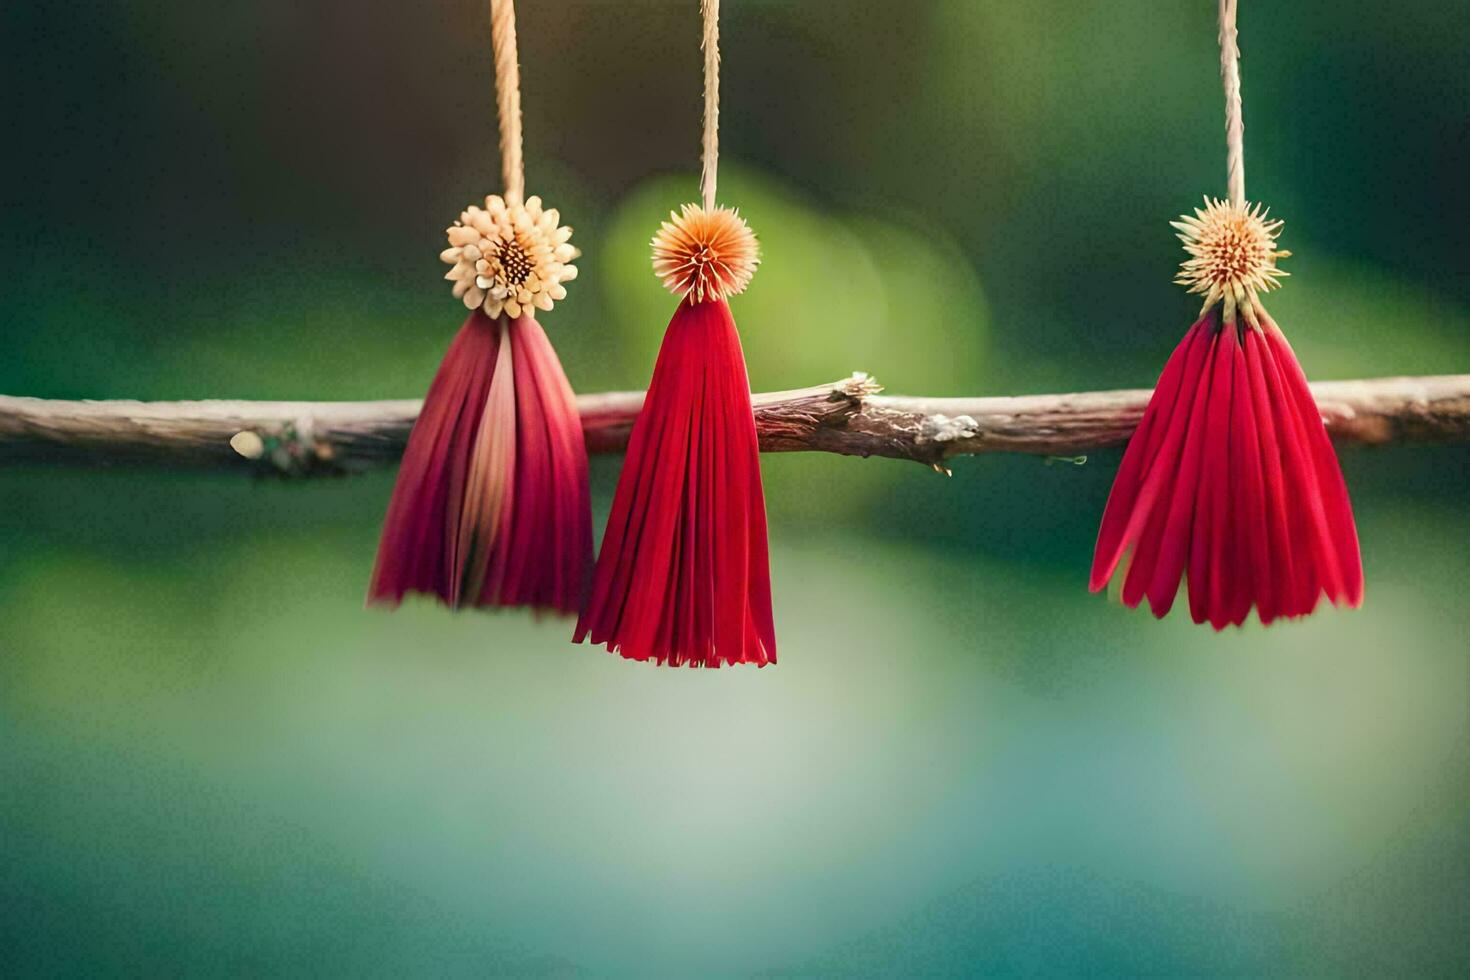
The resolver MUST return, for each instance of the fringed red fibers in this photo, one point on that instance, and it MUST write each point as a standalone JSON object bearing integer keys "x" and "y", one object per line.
{"x": 491, "y": 506}
{"x": 683, "y": 577}
{"x": 1232, "y": 481}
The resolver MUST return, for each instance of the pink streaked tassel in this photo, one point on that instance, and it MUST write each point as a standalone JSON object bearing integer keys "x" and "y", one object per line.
{"x": 491, "y": 507}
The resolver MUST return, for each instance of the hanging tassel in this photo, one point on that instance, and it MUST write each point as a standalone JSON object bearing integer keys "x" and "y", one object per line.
{"x": 1230, "y": 478}
{"x": 683, "y": 577}
{"x": 491, "y": 507}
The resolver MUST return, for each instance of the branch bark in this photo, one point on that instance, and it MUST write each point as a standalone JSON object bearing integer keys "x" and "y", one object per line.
{"x": 846, "y": 417}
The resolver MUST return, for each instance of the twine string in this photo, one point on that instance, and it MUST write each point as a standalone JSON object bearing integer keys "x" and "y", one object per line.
{"x": 1234, "y": 123}
{"x": 710, "y": 155}
{"x": 508, "y": 98}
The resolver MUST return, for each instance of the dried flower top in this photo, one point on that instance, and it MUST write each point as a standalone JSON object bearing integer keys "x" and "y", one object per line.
{"x": 705, "y": 254}
{"x": 1232, "y": 254}
{"x": 510, "y": 257}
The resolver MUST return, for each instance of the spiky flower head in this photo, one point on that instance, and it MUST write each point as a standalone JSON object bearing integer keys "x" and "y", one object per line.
{"x": 510, "y": 258}
{"x": 1232, "y": 255}
{"x": 705, "y": 255}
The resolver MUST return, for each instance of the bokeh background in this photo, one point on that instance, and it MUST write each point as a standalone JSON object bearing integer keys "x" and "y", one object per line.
{"x": 213, "y": 760}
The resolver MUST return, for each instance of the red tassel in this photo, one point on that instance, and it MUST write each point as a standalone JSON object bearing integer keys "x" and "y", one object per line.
{"x": 491, "y": 507}
{"x": 1232, "y": 478}
{"x": 683, "y": 577}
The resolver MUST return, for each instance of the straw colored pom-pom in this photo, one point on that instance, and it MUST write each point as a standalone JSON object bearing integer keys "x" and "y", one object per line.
{"x": 705, "y": 255}
{"x": 510, "y": 258}
{"x": 1232, "y": 254}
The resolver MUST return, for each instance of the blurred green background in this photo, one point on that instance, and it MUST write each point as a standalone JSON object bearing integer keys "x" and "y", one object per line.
{"x": 212, "y": 760}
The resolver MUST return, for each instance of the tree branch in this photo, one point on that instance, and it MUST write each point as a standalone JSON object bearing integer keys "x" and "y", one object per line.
{"x": 846, "y": 417}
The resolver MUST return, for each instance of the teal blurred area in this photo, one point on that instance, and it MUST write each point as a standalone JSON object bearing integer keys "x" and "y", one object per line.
{"x": 214, "y": 761}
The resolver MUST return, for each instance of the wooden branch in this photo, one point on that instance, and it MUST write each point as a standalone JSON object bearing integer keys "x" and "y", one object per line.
{"x": 846, "y": 417}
